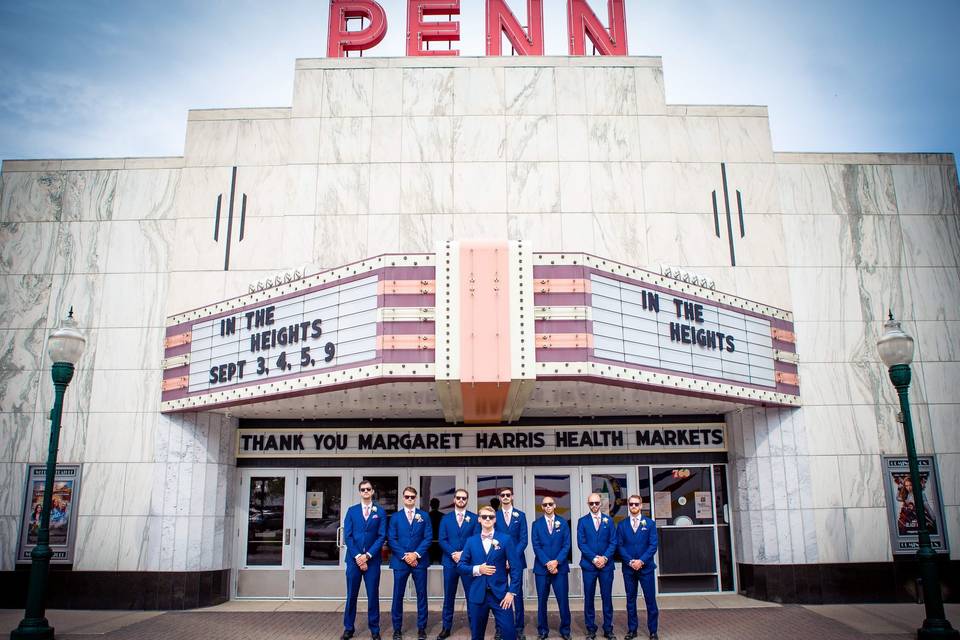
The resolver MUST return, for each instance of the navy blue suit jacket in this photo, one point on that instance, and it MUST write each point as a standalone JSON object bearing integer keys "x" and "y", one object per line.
{"x": 641, "y": 545}
{"x": 365, "y": 536}
{"x": 517, "y": 531}
{"x": 405, "y": 537}
{"x": 452, "y": 537}
{"x": 550, "y": 546}
{"x": 593, "y": 543}
{"x": 500, "y": 582}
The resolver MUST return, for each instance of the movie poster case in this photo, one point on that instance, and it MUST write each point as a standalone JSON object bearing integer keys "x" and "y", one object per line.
{"x": 901, "y": 509}
{"x": 63, "y": 508}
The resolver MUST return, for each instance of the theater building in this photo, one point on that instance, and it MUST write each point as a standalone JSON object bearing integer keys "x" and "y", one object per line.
{"x": 477, "y": 272}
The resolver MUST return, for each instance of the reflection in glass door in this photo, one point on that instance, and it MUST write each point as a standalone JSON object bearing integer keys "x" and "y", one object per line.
{"x": 267, "y": 534}
{"x": 386, "y": 493}
{"x": 436, "y": 488}
{"x": 556, "y": 485}
{"x": 320, "y": 511}
{"x": 614, "y": 484}
{"x": 683, "y": 506}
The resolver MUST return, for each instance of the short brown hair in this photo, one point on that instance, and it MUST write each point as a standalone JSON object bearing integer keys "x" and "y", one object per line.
{"x": 410, "y": 489}
{"x": 486, "y": 507}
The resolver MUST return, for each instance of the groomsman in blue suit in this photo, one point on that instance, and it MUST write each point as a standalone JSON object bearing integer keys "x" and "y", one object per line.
{"x": 456, "y": 528}
{"x": 597, "y": 540}
{"x": 513, "y": 523}
{"x": 409, "y": 534}
{"x": 364, "y": 531}
{"x": 550, "y": 538}
{"x": 494, "y": 587}
{"x": 637, "y": 544}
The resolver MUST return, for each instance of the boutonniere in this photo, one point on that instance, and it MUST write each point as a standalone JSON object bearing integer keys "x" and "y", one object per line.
{"x": 556, "y": 524}
{"x": 373, "y": 508}
{"x": 495, "y": 543}
{"x": 466, "y": 518}
{"x": 605, "y": 520}
{"x": 418, "y": 518}
{"x": 643, "y": 522}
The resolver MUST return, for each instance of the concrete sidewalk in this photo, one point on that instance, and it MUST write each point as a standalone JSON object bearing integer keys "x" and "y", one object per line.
{"x": 693, "y": 617}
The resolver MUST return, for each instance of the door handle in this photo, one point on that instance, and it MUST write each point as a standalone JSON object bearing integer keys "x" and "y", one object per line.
{"x": 340, "y": 537}
{"x": 286, "y": 536}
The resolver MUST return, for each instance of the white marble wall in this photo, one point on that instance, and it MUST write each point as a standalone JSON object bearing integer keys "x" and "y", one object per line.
{"x": 384, "y": 155}
{"x": 99, "y": 236}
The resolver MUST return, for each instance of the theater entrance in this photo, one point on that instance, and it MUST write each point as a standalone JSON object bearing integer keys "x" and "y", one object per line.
{"x": 290, "y": 544}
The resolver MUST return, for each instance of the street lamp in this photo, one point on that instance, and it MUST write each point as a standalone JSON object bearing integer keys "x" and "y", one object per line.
{"x": 896, "y": 351}
{"x": 65, "y": 346}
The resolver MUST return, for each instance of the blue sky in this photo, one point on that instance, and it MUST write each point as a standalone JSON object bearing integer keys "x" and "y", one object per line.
{"x": 106, "y": 79}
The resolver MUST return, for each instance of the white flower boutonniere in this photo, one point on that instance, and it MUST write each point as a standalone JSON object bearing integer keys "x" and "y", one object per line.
{"x": 643, "y": 522}
{"x": 606, "y": 520}
{"x": 495, "y": 543}
{"x": 374, "y": 508}
{"x": 466, "y": 518}
{"x": 418, "y": 518}
{"x": 556, "y": 524}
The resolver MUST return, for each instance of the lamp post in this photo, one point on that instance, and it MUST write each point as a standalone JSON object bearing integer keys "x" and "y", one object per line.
{"x": 896, "y": 351}
{"x": 65, "y": 346}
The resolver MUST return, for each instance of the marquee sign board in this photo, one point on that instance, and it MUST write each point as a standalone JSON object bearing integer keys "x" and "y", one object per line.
{"x": 471, "y": 441}
{"x": 667, "y": 331}
{"x": 344, "y": 327}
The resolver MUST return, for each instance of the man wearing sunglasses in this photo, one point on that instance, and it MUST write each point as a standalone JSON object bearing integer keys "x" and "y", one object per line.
{"x": 364, "y": 531}
{"x": 409, "y": 535}
{"x": 513, "y": 523}
{"x": 550, "y": 539}
{"x": 456, "y": 528}
{"x": 494, "y": 587}
{"x": 637, "y": 544}
{"x": 597, "y": 540}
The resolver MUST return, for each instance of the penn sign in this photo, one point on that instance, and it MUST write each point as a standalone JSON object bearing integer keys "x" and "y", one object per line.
{"x": 424, "y": 29}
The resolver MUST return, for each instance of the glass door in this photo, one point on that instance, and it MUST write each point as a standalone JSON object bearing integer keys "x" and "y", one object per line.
{"x": 435, "y": 488}
{"x": 321, "y": 504}
{"x": 266, "y": 536}
{"x": 684, "y": 509}
{"x": 484, "y": 486}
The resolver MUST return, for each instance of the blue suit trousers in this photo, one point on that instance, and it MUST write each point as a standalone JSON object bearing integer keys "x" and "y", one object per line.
{"x": 371, "y": 580}
{"x": 451, "y": 577}
{"x": 560, "y": 582}
{"x": 503, "y": 618}
{"x": 590, "y": 579}
{"x": 399, "y": 587}
{"x": 631, "y": 579}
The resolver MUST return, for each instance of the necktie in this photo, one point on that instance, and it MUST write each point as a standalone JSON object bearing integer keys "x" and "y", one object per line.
{"x": 409, "y": 517}
{"x": 636, "y": 523}
{"x": 459, "y": 519}
{"x": 366, "y": 512}
{"x": 596, "y": 523}
{"x": 506, "y": 518}
{"x": 550, "y": 527}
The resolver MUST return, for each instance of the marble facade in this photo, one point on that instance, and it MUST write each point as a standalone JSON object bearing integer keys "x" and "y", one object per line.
{"x": 397, "y": 155}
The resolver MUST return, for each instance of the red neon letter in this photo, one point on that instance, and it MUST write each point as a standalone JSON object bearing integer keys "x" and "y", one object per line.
{"x": 582, "y": 21}
{"x": 501, "y": 19}
{"x": 339, "y": 40}
{"x": 419, "y": 31}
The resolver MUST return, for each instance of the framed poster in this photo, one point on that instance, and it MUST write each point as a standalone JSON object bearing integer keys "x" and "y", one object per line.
{"x": 63, "y": 506}
{"x": 901, "y": 505}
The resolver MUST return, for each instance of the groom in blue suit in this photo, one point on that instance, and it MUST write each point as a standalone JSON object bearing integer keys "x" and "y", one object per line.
{"x": 597, "y": 540}
{"x": 364, "y": 531}
{"x": 456, "y": 528}
{"x": 409, "y": 534}
{"x": 637, "y": 544}
{"x": 494, "y": 587}
{"x": 551, "y": 547}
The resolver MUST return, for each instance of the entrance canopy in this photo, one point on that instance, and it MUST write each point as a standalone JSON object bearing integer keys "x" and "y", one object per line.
{"x": 480, "y": 332}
